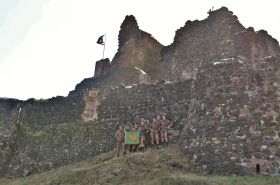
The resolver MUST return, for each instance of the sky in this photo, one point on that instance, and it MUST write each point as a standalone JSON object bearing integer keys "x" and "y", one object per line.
{"x": 49, "y": 46}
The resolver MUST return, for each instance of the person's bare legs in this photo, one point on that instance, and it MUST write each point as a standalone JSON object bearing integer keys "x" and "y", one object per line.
{"x": 166, "y": 136}
{"x": 162, "y": 136}
{"x": 152, "y": 138}
{"x": 157, "y": 138}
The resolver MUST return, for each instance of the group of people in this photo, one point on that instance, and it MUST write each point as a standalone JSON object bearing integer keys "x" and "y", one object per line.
{"x": 152, "y": 133}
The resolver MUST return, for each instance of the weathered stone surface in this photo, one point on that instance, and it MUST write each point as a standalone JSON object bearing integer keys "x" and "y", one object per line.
{"x": 220, "y": 37}
{"x": 40, "y": 146}
{"x": 138, "y": 49}
{"x": 230, "y": 128}
{"x": 218, "y": 81}
{"x": 102, "y": 67}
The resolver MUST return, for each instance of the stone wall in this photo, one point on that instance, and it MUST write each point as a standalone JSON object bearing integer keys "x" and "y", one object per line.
{"x": 138, "y": 49}
{"x": 129, "y": 103}
{"x": 226, "y": 121}
{"x": 102, "y": 67}
{"x": 233, "y": 121}
{"x": 39, "y": 145}
{"x": 223, "y": 97}
{"x": 220, "y": 36}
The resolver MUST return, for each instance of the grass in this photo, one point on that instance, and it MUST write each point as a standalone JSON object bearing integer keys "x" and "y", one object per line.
{"x": 149, "y": 168}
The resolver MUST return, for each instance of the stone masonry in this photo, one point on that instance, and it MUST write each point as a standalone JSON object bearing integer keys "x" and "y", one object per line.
{"x": 218, "y": 81}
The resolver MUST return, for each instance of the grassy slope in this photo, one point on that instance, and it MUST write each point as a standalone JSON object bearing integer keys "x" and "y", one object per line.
{"x": 164, "y": 166}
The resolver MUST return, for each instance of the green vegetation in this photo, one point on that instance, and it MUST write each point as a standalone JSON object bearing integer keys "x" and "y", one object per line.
{"x": 165, "y": 166}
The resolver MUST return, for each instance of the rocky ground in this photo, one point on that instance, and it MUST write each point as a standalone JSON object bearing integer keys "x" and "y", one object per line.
{"x": 155, "y": 166}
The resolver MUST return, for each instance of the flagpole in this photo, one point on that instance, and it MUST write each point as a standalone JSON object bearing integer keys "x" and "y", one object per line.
{"x": 104, "y": 46}
{"x": 19, "y": 111}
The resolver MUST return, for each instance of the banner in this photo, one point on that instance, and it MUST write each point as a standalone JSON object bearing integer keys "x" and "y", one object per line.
{"x": 100, "y": 40}
{"x": 132, "y": 137}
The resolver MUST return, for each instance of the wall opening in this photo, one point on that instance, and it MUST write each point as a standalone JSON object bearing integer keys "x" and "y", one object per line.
{"x": 258, "y": 168}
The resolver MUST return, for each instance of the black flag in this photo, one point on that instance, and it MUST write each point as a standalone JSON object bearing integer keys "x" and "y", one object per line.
{"x": 100, "y": 40}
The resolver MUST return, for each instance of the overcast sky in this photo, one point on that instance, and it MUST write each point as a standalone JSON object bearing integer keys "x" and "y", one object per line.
{"x": 48, "y": 46}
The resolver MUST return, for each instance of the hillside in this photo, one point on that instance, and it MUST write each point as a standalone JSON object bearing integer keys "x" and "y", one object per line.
{"x": 154, "y": 167}
{"x": 218, "y": 81}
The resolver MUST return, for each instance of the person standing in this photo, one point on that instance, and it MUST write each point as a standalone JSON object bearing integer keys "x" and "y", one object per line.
{"x": 128, "y": 128}
{"x": 147, "y": 134}
{"x": 156, "y": 128}
{"x": 152, "y": 132}
{"x": 166, "y": 124}
{"x": 142, "y": 130}
{"x": 120, "y": 141}
{"x": 135, "y": 129}
{"x": 158, "y": 120}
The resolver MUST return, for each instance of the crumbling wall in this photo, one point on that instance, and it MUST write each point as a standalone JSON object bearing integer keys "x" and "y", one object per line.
{"x": 223, "y": 100}
{"x": 102, "y": 67}
{"x": 138, "y": 49}
{"x": 226, "y": 118}
{"x": 233, "y": 120}
{"x": 220, "y": 36}
{"x": 38, "y": 147}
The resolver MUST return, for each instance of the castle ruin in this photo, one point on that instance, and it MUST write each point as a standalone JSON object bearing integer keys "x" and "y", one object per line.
{"x": 219, "y": 81}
